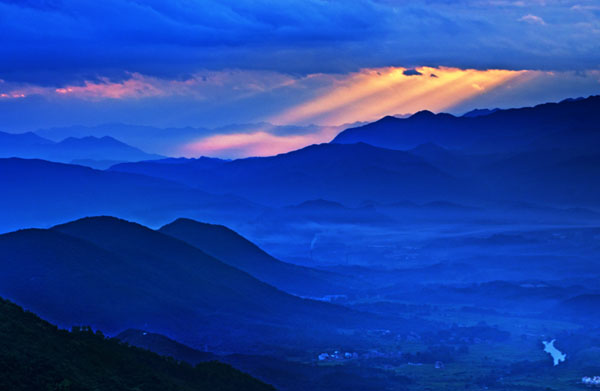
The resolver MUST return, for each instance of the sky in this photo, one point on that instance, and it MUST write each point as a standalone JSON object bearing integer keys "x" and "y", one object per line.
{"x": 205, "y": 63}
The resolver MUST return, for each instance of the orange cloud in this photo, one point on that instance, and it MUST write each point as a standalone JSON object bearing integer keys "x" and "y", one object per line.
{"x": 135, "y": 87}
{"x": 13, "y": 95}
{"x": 373, "y": 93}
{"x": 203, "y": 85}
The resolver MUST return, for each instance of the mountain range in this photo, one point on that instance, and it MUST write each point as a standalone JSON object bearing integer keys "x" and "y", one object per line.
{"x": 172, "y": 141}
{"x": 348, "y": 173}
{"x": 97, "y": 152}
{"x": 39, "y": 193}
{"x": 516, "y": 155}
{"x": 113, "y": 274}
{"x": 398, "y": 231}
{"x": 437, "y": 166}
{"x": 544, "y": 126}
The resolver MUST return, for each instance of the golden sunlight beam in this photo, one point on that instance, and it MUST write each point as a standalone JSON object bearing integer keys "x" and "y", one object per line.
{"x": 256, "y": 143}
{"x": 373, "y": 93}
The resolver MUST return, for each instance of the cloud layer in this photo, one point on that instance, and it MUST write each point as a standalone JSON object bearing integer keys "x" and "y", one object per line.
{"x": 62, "y": 42}
{"x": 207, "y": 63}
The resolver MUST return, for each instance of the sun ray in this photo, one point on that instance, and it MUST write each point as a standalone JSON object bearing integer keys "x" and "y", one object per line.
{"x": 373, "y": 93}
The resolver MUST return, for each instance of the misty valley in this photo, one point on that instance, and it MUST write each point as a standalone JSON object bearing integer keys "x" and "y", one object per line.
{"x": 432, "y": 252}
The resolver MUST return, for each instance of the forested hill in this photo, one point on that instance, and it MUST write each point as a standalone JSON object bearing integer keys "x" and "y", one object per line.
{"x": 35, "y": 355}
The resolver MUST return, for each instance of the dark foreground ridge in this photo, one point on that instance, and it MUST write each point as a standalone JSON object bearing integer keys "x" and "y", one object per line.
{"x": 36, "y": 355}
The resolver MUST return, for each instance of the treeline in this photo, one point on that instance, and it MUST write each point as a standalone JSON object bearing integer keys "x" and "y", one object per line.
{"x": 35, "y": 355}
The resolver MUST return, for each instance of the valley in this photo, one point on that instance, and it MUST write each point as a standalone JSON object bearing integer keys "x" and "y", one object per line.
{"x": 334, "y": 267}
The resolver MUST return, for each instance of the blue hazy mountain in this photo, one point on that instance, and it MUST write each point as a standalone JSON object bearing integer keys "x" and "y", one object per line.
{"x": 176, "y": 169}
{"x": 423, "y": 250}
{"x": 97, "y": 148}
{"x": 516, "y": 155}
{"x": 36, "y": 355}
{"x": 37, "y": 193}
{"x": 113, "y": 275}
{"x": 21, "y": 143}
{"x": 235, "y": 250}
{"x": 561, "y": 178}
{"x": 450, "y": 161}
{"x": 499, "y": 131}
{"x": 531, "y": 175}
{"x": 165, "y": 141}
{"x": 479, "y": 112}
{"x": 354, "y": 173}
{"x": 346, "y": 173}
{"x": 98, "y": 152}
{"x": 171, "y": 141}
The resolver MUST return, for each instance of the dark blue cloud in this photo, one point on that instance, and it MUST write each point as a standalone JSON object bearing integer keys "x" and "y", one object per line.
{"x": 76, "y": 40}
{"x": 412, "y": 72}
{"x": 58, "y": 42}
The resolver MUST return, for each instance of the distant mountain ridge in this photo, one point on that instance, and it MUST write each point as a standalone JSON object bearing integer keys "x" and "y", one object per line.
{"x": 497, "y": 131}
{"x": 97, "y": 152}
{"x": 516, "y": 155}
{"x": 171, "y": 141}
{"x": 39, "y": 193}
{"x": 529, "y": 152}
{"x": 479, "y": 112}
{"x": 182, "y": 170}
{"x": 345, "y": 173}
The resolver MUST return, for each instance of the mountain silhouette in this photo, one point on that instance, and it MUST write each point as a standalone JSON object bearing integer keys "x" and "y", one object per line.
{"x": 164, "y": 346}
{"x": 11, "y": 143}
{"x": 498, "y": 131}
{"x": 113, "y": 275}
{"x": 171, "y": 141}
{"x": 479, "y": 112}
{"x": 40, "y": 193}
{"x": 349, "y": 174}
{"x": 285, "y": 375}
{"x": 181, "y": 169}
{"x": 35, "y": 355}
{"x": 97, "y": 152}
{"x": 235, "y": 250}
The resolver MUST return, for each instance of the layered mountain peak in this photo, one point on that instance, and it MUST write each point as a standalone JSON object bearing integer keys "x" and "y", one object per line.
{"x": 100, "y": 224}
{"x": 422, "y": 114}
{"x": 234, "y": 249}
{"x": 483, "y": 131}
{"x": 200, "y": 228}
{"x": 429, "y": 148}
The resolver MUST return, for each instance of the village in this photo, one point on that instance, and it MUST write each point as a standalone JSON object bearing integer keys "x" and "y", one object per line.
{"x": 337, "y": 356}
{"x": 591, "y": 381}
